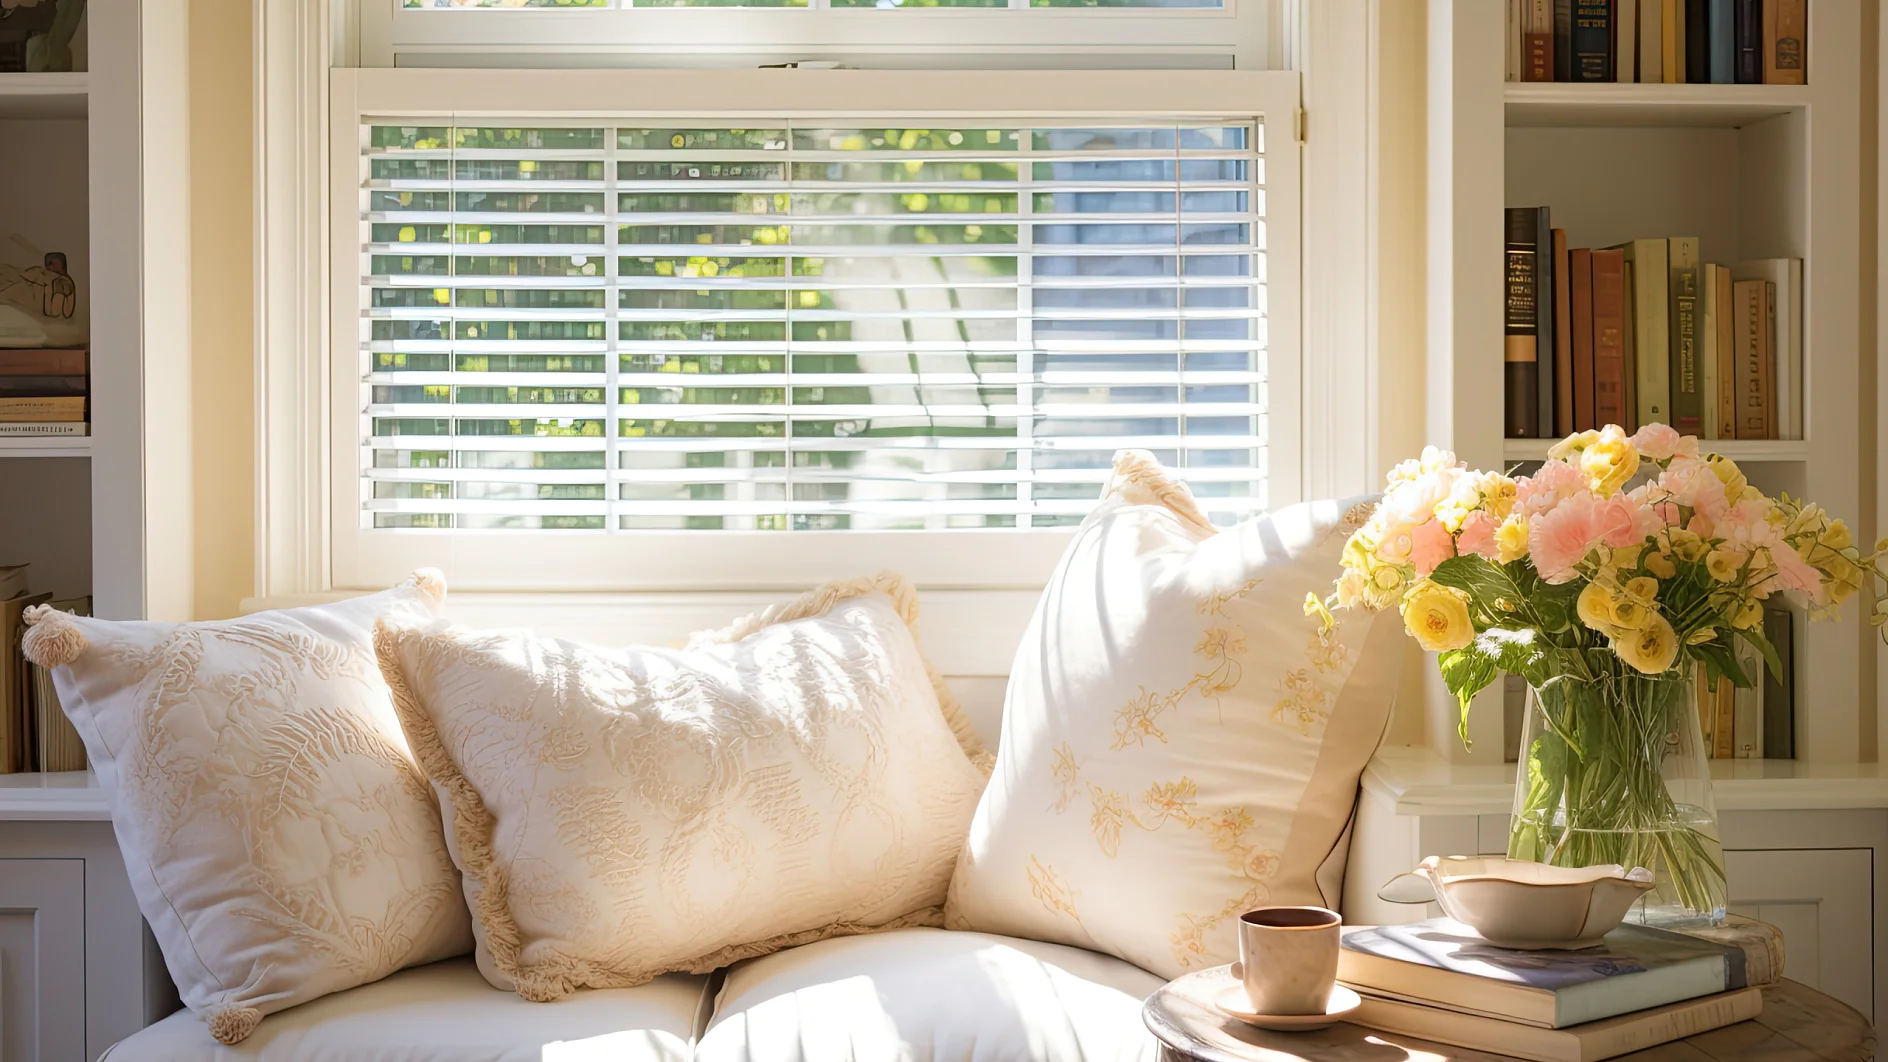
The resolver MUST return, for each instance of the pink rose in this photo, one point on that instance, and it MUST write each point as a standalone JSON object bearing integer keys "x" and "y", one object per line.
{"x": 1430, "y": 545}
{"x": 1691, "y": 483}
{"x": 1623, "y": 521}
{"x": 1478, "y": 535}
{"x": 1661, "y": 441}
{"x": 1556, "y": 481}
{"x": 1561, "y": 538}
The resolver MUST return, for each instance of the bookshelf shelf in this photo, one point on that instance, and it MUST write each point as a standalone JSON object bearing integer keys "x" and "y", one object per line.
{"x": 68, "y": 446}
{"x": 1740, "y": 450}
{"x": 1671, "y": 106}
{"x": 43, "y": 95}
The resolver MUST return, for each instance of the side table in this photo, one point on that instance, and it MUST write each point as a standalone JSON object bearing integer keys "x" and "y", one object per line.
{"x": 1798, "y": 1023}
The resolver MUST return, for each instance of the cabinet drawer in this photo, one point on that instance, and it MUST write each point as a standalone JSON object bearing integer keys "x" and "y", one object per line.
{"x": 42, "y": 959}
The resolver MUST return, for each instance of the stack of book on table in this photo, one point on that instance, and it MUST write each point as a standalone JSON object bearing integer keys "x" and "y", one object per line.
{"x": 43, "y": 392}
{"x": 1645, "y": 332}
{"x": 1438, "y": 980}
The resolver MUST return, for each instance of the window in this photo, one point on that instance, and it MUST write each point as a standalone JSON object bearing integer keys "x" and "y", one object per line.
{"x": 598, "y": 335}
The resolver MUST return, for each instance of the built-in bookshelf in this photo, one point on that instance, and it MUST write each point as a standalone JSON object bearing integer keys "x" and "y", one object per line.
{"x": 1752, "y": 171}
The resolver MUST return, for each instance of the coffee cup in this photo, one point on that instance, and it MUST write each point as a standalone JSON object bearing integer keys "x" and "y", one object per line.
{"x": 1288, "y": 958}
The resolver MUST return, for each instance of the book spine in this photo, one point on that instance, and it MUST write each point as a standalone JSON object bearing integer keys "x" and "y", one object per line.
{"x": 1748, "y": 312}
{"x": 1723, "y": 42}
{"x": 1779, "y": 689}
{"x": 1786, "y": 24}
{"x": 1724, "y": 731}
{"x": 14, "y": 429}
{"x": 1686, "y": 411}
{"x": 1707, "y": 352}
{"x": 1705, "y": 704}
{"x": 42, "y": 409}
{"x": 59, "y": 746}
{"x": 1697, "y": 42}
{"x": 1609, "y": 334}
{"x": 1580, "y": 284}
{"x": 1725, "y": 353}
{"x": 1520, "y": 355}
{"x": 1563, "y": 40}
{"x": 36, "y": 362}
{"x": 1628, "y": 348}
{"x": 1625, "y": 41}
{"x": 1545, "y": 353}
{"x": 1563, "y": 339}
{"x": 1767, "y": 364}
{"x": 1790, "y": 351}
{"x": 1749, "y": 33}
{"x": 1514, "y": 39}
{"x": 1537, "y": 42}
{"x": 1673, "y": 42}
{"x": 1747, "y": 704}
{"x": 1592, "y": 40}
{"x": 1651, "y": 41}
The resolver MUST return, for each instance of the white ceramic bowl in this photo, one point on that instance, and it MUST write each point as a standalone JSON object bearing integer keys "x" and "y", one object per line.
{"x": 1516, "y": 904}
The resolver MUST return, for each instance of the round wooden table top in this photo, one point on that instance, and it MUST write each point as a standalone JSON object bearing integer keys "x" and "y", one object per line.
{"x": 1798, "y": 1024}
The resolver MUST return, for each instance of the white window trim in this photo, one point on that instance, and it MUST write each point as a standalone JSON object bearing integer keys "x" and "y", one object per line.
{"x": 295, "y": 45}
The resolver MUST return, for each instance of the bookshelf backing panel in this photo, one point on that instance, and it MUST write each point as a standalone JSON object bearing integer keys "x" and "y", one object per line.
{"x": 46, "y": 521}
{"x": 43, "y": 200}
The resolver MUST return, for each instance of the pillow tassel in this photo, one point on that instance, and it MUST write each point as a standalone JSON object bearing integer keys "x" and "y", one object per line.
{"x": 52, "y": 639}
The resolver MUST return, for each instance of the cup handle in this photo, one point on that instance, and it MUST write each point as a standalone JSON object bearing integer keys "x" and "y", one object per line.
{"x": 1408, "y": 887}
{"x": 1238, "y": 970}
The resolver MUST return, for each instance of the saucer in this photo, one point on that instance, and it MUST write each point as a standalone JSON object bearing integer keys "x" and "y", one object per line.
{"x": 1342, "y": 1004}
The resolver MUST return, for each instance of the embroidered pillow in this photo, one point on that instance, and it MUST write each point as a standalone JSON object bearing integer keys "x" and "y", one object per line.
{"x": 279, "y": 838}
{"x": 624, "y": 813}
{"x": 1181, "y": 742}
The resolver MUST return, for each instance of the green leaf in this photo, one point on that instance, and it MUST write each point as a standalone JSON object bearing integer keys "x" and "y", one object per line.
{"x": 1719, "y": 660}
{"x": 1770, "y": 657}
{"x": 1466, "y": 671}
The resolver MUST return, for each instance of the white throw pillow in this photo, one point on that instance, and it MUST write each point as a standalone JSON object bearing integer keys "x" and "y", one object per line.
{"x": 281, "y": 841}
{"x": 624, "y": 813}
{"x": 1181, "y": 742}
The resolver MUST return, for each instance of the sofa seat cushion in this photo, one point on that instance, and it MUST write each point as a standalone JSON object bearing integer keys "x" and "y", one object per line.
{"x": 931, "y": 995}
{"x": 446, "y": 1012}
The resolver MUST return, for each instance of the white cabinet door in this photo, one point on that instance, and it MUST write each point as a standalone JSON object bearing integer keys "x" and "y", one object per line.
{"x": 1820, "y": 899}
{"x": 42, "y": 960}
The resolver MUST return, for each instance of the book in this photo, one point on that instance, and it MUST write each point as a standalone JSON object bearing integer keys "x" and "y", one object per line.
{"x": 22, "y": 385}
{"x": 1625, "y": 40}
{"x": 1580, "y": 311}
{"x": 57, "y": 746}
{"x": 1787, "y": 318}
{"x": 1592, "y": 40}
{"x": 1724, "y": 353}
{"x": 1748, "y": 27}
{"x": 1750, "y": 310}
{"x": 1705, "y": 703}
{"x": 1779, "y": 691}
{"x": 1447, "y": 964}
{"x": 1628, "y": 347}
{"x": 1563, "y": 342}
{"x": 1723, "y": 50}
{"x": 1724, "y": 727}
{"x": 38, "y": 361}
{"x": 16, "y": 723}
{"x": 1652, "y": 341}
{"x": 1697, "y": 42}
{"x": 1544, "y": 332}
{"x": 1687, "y": 410}
{"x": 1609, "y": 336}
{"x": 42, "y": 409}
{"x": 1537, "y": 42}
{"x": 1707, "y": 352}
{"x": 1585, "y": 1043}
{"x": 27, "y": 428}
{"x": 1785, "y": 52}
{"x": 1747, "y": 703}
{"x": 1563, "y": 39}
{"x": 1516, "y": 19}
{"x": 1651, "y": 41}
{"x": 1673, "y": 43}
{"x": 1520, "y": 352}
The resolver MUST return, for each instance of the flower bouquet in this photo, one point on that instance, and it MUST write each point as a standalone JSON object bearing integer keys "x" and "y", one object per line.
{"x": 1607, "y": 580}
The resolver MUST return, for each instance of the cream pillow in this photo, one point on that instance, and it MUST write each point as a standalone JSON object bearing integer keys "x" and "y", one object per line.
{"x": 625, "y": 813}
{"x": 280, "y": 840}
{"x": 1181, "y": 742}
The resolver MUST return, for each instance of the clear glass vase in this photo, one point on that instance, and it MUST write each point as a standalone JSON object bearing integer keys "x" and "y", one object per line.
{"x": 1613, "y": 770}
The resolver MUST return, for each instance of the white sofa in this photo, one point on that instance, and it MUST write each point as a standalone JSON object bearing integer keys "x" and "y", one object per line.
{"x": 910, "y": 995}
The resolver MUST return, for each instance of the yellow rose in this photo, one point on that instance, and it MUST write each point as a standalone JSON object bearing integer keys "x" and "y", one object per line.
{"x": 1844, "y": 579}
{"x": 1688, "y": 546}
{"x": 1651, "y": 649}
{"x": 1643, "y": 589}
{"x": 1609, "y": 461}
{"x": 1837, "y": 535}
{"x": 1572, "y": 445}
{"x": 1728, "y": 474}
{"x": 1747, "y": 616}
{"x": 1511, "y": 538}
{"x": 1660, "y": 564}
{"x": 1702, "y": 636}
{"x": 1723, "y": 565}
{"x": 1630, "y": 615}
{"x": 1437, "y": 617}
{"x": 1595, "y": 607}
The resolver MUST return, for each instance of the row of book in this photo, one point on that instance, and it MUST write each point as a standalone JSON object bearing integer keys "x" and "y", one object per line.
{"x": 35, "y": 734}
{"x": 1757, "y": 722}
{"x": 1643, "y": 332}
{"x": 1439, "y": 981}
{"x": 43, "y": 392}
{"x": 1672, "y": 42}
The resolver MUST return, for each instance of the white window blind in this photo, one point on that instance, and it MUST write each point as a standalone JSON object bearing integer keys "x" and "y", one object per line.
{"x": 805, "y": 325}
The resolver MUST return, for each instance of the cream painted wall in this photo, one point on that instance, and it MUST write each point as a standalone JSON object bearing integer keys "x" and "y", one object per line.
{"x": 222, "y": 268}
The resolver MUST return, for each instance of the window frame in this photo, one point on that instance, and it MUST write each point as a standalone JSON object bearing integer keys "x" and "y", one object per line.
{"x": 743, "y": 560}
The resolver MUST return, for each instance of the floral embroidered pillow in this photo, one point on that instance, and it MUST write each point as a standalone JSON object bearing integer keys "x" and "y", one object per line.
{"x": 281, "y": 841}
{"x": 1181, "y": 741}
{"x": 624, "y": 813}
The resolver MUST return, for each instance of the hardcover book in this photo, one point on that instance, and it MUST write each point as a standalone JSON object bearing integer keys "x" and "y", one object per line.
{"x": 38, "y": 361}
{"x": 1545, "y": 332}
{"x": 42, "y": 409}
{"x": 1651, "y": 334}
{"x": 1751, "y": 319}
{"x": 1687, "y": 397}
{"x": 1563, "y": 40}
{"x": 1697, "y": 42}
{"x": 1707, "y": 352}
{"x": 1584, "y": 1043}
{"x": 1520, "y": 354}
{"x": 1720, "y": 26}
{"x": 1446, "y": 964}
{"x": 1786, "y": 274}
{"x": 1651, "y": 41}
{"x": 1537, "y": 42}
{"x": 1609, "y": 335}
{"x": 1785, "y": 33}
{"x": 1626, "y": 41}
{"x": 1749, "y": 31}
{"x": 1674, "y": 41}
{"x": 1563, "y": 398}
{"x": 1725, "y": 353}
{"x": 1779, "y": 691}
{"x": 1592, "y": 43}
{"x": 1581, "y": 386}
